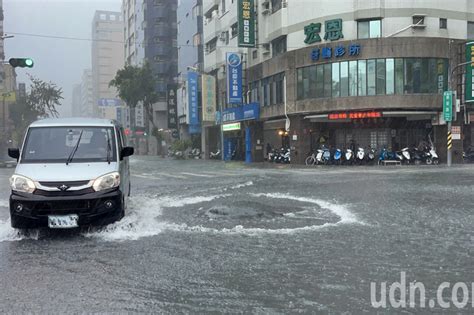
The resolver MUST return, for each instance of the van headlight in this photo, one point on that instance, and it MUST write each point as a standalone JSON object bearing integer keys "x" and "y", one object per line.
{"x": 22, "y": 184}
{"x": 106, "y": 181}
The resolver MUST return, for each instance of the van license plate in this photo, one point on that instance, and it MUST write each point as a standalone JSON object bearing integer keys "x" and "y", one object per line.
{"x": 63, "y": 221}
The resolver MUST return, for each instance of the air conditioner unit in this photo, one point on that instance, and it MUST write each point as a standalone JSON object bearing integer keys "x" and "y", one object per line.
{"x": 266, "y": 49}
{"x": 266, "y": 3}
{"x": 266, "y": 11}
{"x": 284, "y": 3}
{"x": 419, "y": 21}
{"x": 223, "y": 37}
{"x": 215, "y": 13}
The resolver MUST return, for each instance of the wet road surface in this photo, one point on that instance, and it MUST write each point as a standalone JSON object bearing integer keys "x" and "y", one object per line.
{"x": 203, "y": 236}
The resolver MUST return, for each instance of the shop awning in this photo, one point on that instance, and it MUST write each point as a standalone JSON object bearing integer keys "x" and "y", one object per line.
{"x": 275, "y": 124}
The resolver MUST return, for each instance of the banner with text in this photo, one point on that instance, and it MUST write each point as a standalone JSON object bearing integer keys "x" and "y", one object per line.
{"x": 208, "y": 98}
{"x": 246, "y": 20}
{"x": 234, "y": 78}
{"x": 172, "y": 107}
{"x": 193, "y": 104}
{"x": 469, "y": 73}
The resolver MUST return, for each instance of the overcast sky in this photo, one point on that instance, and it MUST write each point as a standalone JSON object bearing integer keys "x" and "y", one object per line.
{"x": 58, "y": 60}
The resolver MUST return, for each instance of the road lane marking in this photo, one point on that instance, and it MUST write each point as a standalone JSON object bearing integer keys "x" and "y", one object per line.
{"x": 171, "y": 175}
{"x": 198, "y": 175}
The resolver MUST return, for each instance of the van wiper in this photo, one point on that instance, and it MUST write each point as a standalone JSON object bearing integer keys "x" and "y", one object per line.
{"x": 108, "y": 147}
{"x": 71, "y": 155}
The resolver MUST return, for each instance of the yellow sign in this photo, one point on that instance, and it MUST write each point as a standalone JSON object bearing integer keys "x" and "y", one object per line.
{"x": 208, "y": 98}
{"x": 8, "y": 96}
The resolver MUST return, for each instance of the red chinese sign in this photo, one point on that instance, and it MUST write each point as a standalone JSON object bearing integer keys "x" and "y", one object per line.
{"x": 354, "y": 115}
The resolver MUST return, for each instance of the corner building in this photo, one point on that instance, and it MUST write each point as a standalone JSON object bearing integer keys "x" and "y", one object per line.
{"x": 372, "y": 72}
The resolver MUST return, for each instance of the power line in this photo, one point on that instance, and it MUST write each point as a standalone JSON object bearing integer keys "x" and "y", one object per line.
{"x": 179, "y": 45}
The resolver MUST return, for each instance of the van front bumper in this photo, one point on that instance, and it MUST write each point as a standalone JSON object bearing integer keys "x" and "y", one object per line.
{"x": 95, "y": 208}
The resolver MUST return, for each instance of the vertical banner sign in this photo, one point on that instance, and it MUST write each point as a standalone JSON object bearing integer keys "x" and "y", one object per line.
{"x": 172, "y": 107}
{"x": 469, "y": 73}
{"x": 448, "y": 105}
{"x": 246, "y": 20}
{"x": 234, "y": 78}
{"x": 208, "y": 98}
{"x": 193, "y": 102}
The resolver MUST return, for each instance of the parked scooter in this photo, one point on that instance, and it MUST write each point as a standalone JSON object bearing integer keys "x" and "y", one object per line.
{"x": 370, "y": 156}
{"x": 405, "y": 156}
{"x": 360, "y": 156}
{"x": 285, "y": 155}
{"x": 337, "y": 157}
{"x": 348, "y": 157}
{"x": 430, "y": 156}
{"x": 215, "y": 155}
{"x": 468, "y": 156}
{"x": 194, "y": 154}
{"x": 416, "y": 156}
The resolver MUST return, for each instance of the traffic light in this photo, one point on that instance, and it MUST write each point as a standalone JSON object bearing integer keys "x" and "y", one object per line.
{"x": 21, "y": 62}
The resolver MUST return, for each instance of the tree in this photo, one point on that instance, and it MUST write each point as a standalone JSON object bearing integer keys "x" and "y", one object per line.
{"x": 136, "y": 84}
{"x": 40, "y": 102}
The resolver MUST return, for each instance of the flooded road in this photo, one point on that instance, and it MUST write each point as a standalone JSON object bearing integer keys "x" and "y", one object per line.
{"x": 212, "y": 237}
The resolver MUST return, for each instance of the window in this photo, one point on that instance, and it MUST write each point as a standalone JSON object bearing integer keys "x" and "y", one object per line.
{"x": 276, "y": 5}
{"x": 399, "y": 76}
{"x": 380, "y": 76}
{"x": 313, "y": 78}
{"x": 369, "y": 28}
{"x": 362, "y": 78}
{"x": 223, "y": 6}
{"x": 335, "y": 80}
{"x": 327, "y": 79}
{"x": 299, "y": 84}
{"x": 255, "y": 54}
{"x": 197, "y": 39}
{"x": 371, "y": 77}
{"x": 352, "y": 78}
{"x": 470, "y": 30}
{"x": 443, "y": 23}
{"x": 279, "y": 46}
{"x": 319, "y": 81}
{"x": 211, "y": 45}
{"x": 234, "y": 30}
{"x": 390, "y": 76}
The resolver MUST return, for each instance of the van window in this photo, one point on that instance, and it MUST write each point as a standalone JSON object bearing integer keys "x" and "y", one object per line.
{"x": 55, "y": 144}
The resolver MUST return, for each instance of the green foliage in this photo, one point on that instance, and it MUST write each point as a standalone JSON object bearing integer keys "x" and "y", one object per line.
{"x": 157, "y": 134}
{"x": 41, "y": 101}
{"x": 181, "y": 145}
{"x": 136, "y": 84}
{"x": 44, "y": 97}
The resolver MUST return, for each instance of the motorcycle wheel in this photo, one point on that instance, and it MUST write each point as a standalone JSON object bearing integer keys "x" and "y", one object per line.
{"x": 309, "y": 160}
{"x": 435, "y": 162}
{"x": 428, "y": 161}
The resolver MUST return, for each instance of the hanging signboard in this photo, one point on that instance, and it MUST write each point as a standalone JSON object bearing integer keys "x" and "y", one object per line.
{"x": 234, "y": 78}
{"x": 246, "y": 22}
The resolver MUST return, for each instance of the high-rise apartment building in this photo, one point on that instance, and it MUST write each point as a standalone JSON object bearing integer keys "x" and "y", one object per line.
{"x": 107, "y": 56}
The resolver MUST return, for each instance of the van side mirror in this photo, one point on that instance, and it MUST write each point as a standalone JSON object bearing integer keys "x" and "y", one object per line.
{"x": 126, "y": 151}
{"x": 14, "y": 153}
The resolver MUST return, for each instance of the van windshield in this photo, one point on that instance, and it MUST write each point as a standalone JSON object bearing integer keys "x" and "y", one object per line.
{"x": 55, "y": 144}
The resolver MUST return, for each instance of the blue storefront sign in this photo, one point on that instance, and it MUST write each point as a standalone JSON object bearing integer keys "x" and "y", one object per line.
{"x": 234, "y": 78}
{"x": 246, "y": 112}
{"x": 112, "y": 102}
{"x": 194, "y": 126}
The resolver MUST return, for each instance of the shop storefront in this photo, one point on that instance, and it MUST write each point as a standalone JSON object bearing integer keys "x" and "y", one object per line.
{"x": 241, "y": 132}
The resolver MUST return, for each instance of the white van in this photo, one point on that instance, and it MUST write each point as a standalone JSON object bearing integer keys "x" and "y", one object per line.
{"x": 71, "y": 172}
